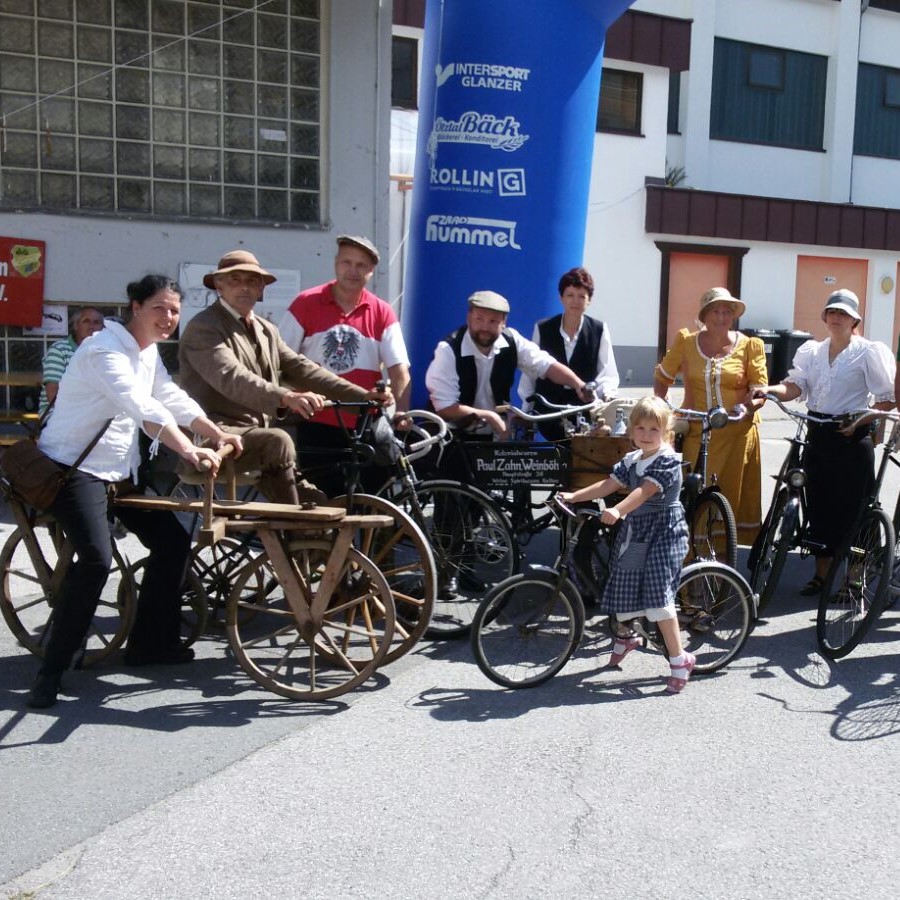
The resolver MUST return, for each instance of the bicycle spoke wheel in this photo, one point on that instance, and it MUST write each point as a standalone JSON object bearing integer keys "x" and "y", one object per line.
{"x": 715, "y": 611}
{"x": 776, "y": 544}
{"x": 402, "y": 554}
{"x": 217, "y": 566}
{"x": 473, "y": 550}
{"x": 526, "y": 629}
{"x": 31, "y": 586}
{"x": 856, "y": 585}
{"x": 713, "y": 529}
{"x": 318, "y": 659}
{"x": 194, "y": 603}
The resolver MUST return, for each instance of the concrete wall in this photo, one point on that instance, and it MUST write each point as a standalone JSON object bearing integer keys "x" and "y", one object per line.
{"x": 92, "y": 258}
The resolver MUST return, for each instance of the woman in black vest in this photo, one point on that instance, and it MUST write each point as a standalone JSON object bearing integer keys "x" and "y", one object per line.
{"x": 578, "y": 341}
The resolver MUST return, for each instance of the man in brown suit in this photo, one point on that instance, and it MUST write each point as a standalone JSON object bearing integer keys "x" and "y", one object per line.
{"x": 237, "y": 367}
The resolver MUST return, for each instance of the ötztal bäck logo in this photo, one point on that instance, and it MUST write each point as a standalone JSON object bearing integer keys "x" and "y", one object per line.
{"x": 472, "y": 231}
{"x": 503, "y": 182}
{"x": 484, "y": 76}
{"x": 484, "y": 129}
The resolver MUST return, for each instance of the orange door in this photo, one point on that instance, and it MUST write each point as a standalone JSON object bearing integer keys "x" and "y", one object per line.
{"x": 690, "y": 275}
{"x": 819, "y": 276}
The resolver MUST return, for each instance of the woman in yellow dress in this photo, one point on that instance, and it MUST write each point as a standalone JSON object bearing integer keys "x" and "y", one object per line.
{"x": 719, "y": 366}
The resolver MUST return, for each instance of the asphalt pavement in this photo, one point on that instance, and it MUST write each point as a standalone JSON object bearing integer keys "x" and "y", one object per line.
{"x": 775, "y": 778}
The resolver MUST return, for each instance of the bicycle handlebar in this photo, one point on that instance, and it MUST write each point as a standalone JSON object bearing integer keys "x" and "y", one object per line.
{"x": 560, "y": 412}
{"x": 205, "y": 465}
{"x": 868, "y": 413}
{"x": 420, "y": 448}
{"x": 560, "y": 508}
{"x": 717, "y": 417}
{"x": 797, "y": 415}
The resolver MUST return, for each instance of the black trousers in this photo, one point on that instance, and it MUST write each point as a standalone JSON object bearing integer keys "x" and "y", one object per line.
{"x": 841, "y": 473}
{"x": 82, "y": 509}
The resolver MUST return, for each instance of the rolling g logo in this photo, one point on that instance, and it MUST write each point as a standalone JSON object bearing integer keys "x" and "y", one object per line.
{"x": 505, "y": 182}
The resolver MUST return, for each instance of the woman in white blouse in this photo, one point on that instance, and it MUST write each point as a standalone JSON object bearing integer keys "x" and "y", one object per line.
{"x": 844, "y": 372}
{"x": 117, "y": 375}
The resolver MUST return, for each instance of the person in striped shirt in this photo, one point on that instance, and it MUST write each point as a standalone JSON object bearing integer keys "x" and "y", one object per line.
{"x": 82, "y": 324}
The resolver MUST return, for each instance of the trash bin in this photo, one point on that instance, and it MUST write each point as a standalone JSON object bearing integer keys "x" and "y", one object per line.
{"x": 785, "y": 347}
{"x": 769, "y": 339}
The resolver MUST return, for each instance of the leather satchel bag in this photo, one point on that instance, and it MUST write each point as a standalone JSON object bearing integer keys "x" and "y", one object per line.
{"x": 35, "y": 478}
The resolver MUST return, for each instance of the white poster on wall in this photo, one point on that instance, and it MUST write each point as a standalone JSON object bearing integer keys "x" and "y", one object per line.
{"x": 55, "y": 322}
{"x": 276, "y": 300}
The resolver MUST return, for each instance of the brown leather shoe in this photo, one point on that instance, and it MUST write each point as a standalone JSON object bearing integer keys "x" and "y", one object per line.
{"x": 307, "y": 492}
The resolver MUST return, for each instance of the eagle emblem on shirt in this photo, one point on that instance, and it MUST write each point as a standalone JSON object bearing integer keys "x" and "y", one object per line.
{"x": 341, "y": 348}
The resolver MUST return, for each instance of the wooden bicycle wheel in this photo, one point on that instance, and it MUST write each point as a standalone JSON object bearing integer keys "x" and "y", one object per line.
{"x": 323, "y": 658}
{"x": 402, "y": 554}
{"x": 217, "y": 566}
{"x": 31, "y": 578}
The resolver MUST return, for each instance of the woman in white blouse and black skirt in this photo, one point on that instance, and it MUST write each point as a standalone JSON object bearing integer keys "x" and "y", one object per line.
{"x": 845, "y": 372}
{"x": 114, "y": 385}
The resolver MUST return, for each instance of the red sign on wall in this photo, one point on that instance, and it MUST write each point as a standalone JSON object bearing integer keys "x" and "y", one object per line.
{"x": 21, "y": 281}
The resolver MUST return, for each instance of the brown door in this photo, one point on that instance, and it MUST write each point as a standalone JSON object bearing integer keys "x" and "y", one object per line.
{"x": 819, "y": 276}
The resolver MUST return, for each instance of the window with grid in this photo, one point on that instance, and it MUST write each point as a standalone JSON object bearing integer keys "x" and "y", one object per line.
{"x": 205, "y": 109}
{"x": 620, "y": 101}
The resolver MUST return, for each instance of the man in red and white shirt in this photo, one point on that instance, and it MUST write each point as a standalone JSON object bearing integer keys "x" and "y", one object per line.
{"x": 351, "y": 332}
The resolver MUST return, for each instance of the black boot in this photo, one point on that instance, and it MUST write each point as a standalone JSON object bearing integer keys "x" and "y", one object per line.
{"x": 46, "y": 686}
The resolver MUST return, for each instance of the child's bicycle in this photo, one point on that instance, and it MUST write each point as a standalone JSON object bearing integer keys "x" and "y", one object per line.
{"x": 528, "y": 626}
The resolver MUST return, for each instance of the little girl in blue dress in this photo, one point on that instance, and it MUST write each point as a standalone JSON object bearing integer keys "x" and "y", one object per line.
{"x": 649, "y": 550}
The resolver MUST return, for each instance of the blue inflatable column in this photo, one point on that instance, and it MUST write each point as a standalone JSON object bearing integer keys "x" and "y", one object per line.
{"x": 508, "y": 112}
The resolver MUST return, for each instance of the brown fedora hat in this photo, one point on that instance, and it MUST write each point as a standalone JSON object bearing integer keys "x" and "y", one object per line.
{"x": 238, "y": 261}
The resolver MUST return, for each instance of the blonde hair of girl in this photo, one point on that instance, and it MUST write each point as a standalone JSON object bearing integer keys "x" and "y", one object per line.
{"x": 656, "y": 410}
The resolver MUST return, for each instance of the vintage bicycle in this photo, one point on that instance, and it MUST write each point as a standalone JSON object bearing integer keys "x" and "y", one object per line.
{"x": 858, "y": 585}
{"x": 785, "y": 525}
{"x": 309, "y": 617}
{"x": 447, "y": 544}
{"x": 713, "y": 530}
{"x": 527, "y": 627}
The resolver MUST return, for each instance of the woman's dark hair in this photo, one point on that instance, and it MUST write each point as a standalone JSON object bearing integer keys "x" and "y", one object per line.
{"x": 140, "y": 291}
{"x": 579, "y": 278}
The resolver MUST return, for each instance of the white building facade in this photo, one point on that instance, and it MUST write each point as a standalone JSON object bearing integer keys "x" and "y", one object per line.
{"x": 781, "y": 118}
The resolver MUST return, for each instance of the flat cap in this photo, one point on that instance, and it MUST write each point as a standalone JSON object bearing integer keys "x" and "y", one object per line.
{"x": 489, "y": 300}
{"x": 356, "y": 240}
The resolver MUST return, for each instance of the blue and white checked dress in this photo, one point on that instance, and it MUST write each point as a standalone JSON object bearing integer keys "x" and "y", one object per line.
{"x": 646, "y": 559}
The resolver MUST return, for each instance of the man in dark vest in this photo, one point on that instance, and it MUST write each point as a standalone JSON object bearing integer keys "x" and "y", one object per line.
{"x": 578, "y": 340}
{"x": 474, "y": 367}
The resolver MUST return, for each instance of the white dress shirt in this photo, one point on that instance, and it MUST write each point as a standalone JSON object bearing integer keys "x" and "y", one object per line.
{"x": 861, "y": 373}
{"x": 607, "y": 377}
{"x": 442, "y": 380}
{"x": 110, "y": 377}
